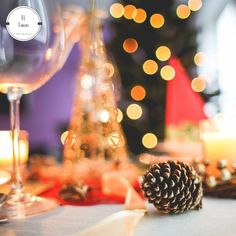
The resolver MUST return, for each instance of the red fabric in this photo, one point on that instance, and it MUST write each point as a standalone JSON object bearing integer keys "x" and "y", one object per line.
{"x": 182, "y": 103}
{"x": 95, "y": 196}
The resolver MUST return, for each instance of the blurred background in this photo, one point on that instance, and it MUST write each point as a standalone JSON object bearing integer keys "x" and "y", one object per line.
{"x": 176, "y": 66}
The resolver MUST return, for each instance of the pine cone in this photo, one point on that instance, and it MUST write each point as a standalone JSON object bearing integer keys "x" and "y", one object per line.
{"x": 173, "y": 187}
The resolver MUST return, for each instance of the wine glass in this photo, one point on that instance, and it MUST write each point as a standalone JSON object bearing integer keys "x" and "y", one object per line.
{"x": 31, "y": 50}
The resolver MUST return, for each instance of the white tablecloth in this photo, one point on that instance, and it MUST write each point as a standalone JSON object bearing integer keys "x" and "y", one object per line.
{"x": 218, "y": 217}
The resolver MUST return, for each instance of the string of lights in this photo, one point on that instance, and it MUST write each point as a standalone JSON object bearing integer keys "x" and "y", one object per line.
{"x": 162, "y": 54}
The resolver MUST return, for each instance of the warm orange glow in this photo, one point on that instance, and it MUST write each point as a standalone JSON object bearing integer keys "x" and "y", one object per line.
{"x": 167, "y": 72}
{"x": 183, "y": 11}
{"x": 48, "y": 54}
{"x": 116, "y": 140}
{"x": 109, "y": 69}
{"x": 149, "y": 140}
{"x": 4, "y": 177}
{"x": 138, "y": 93}
{"x": 139, "y": 16}
{"x": 198, "y": 84}
{"x": 117, "y": 10}
{"x": 103, "y": 116}
{"x": 57, "y": 29}
{"x": 195, "y": 5}
{"x": 120, "y": 115}
{"x": 6, "y": 155}
{"x": 200, "y": 59}
{"x": 130, "y": 45}
{"x": 163, "y": 53}
{"x": 134, "y": 111}
{"x": 87, "y": 81}
{"x": 157, "y": 21}
{"x": 129, "y": 12}
{"x": 150, "y": 67}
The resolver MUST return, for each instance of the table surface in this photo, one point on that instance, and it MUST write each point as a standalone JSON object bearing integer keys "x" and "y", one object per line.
{"x": 218, "y": 217}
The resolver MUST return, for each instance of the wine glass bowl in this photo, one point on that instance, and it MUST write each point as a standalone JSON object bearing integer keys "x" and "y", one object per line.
{"x": 29, "y": 64}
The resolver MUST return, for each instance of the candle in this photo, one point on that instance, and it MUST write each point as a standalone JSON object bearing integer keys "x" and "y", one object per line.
{"x": 6, "y": 154}
{"x": 4, "y": 177}
{"x": 218, "y": 140}
{"x": 218, "y": 146}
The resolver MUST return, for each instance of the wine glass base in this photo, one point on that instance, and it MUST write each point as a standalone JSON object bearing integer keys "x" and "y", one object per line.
{"x": 20, "y": 206}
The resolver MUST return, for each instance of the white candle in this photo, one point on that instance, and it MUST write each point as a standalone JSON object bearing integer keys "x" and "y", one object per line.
{"x": 218, "y": 140}
{"x": 218, "y": 146}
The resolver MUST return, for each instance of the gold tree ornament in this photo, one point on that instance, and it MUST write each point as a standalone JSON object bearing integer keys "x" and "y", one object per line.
{"x": 94, "y": 131}
{"x": 115, "y": 140}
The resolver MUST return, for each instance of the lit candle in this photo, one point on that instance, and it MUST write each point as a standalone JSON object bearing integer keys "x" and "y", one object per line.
{"x": 6, "y": 154}
{"x": 4, "y": 177}
{"x": 217, "y": 146}
{"x": 218, "y": 141}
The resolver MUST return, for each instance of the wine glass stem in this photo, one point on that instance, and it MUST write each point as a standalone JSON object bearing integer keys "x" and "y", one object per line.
{"x": 14, "y": 97}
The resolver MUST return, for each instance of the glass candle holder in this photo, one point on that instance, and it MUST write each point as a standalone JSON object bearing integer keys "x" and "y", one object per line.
{"x": 218, "y": 138}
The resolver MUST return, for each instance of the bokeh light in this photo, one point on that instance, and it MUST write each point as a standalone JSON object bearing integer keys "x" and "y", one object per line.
{"x": 150, "y": 67}
{"x": 198, "y": 84}
{"x": 64, "y": 137}
{"x": 163, "y": 53}
{"x": 195, "y": 5}
{"x": 48, "y": 54}
{"x": 129, "y": 12}
{"x": 200, "y": 59}
{"x": 117, "y": 10}
{"x": 183, "y": 11}
{"x": 139, "y": 16}
{"x": 87, "y": 82}
{"x": 109, "y": 69}
{"x": 104, "y": 116}
{"x": 120, "y": 115}
{"x": 68, "y": 138}
{"x": 157, "y": 20}
{"x": 149, "y": 140}
{"x": 167, "y": 72}
{"x": 130, "y": 45}
{"x": 134, "y": 111}
{"x": 138, "y": 93}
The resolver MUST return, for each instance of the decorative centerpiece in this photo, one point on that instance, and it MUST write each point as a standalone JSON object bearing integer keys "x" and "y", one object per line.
{"x": 94, "y": 132}
{"x": 219, "y": 180}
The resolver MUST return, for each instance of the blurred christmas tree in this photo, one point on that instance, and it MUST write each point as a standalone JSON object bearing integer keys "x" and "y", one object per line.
{"x": 142, "y": 37}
